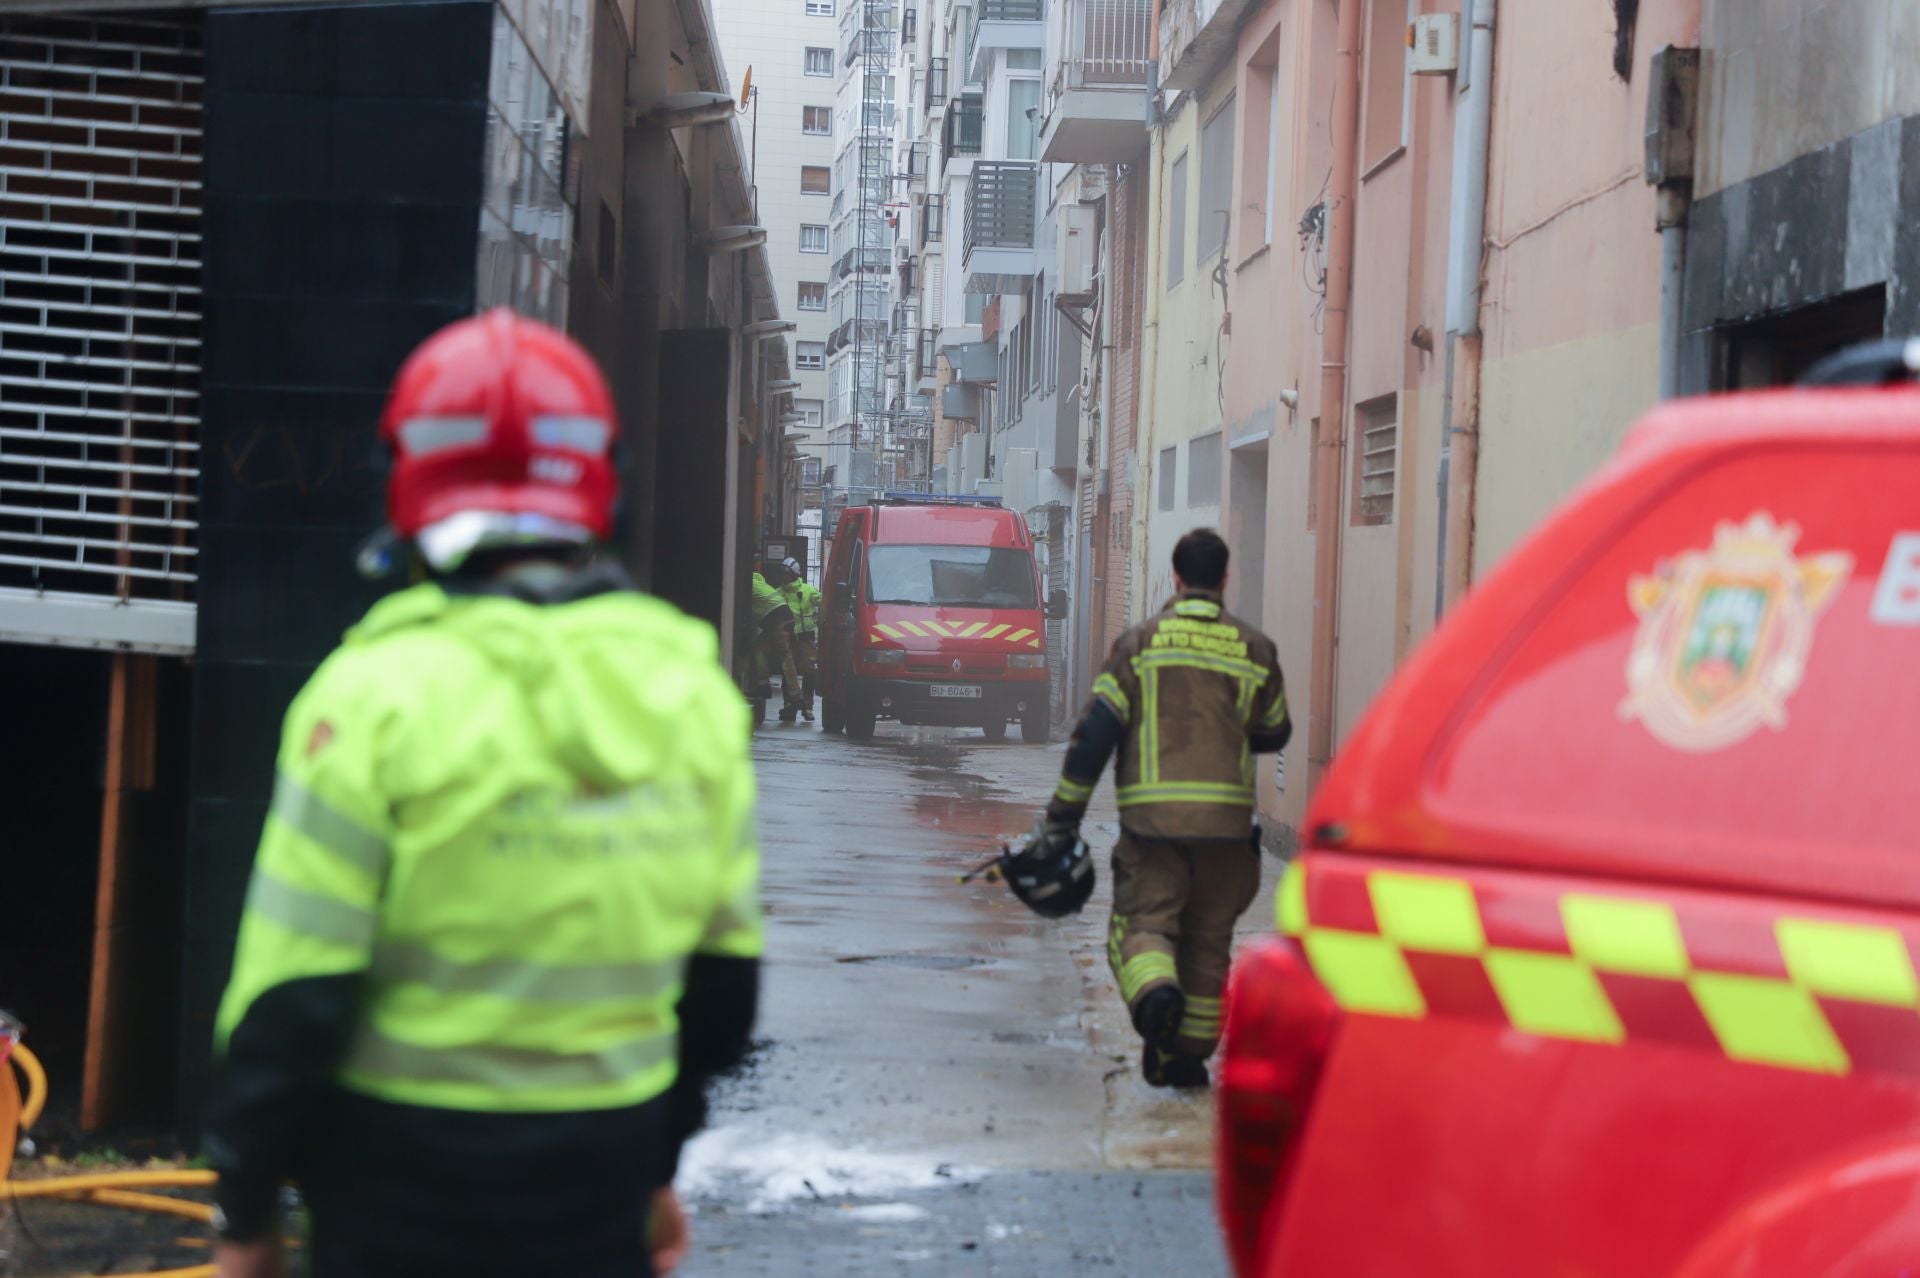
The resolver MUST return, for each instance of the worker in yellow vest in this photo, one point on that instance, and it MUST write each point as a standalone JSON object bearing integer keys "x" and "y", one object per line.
{"x": 503, "y": 923}
{"x": 773, "y": 647}
{"x": 804, "y": 600}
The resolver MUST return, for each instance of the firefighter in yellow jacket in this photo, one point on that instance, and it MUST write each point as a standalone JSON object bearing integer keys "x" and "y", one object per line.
{"x": 503, "y": 923}
{"x": 1187, "y": 698}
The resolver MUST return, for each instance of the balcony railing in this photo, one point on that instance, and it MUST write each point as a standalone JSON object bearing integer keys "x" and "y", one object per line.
{"x": 960, "y": 135}
{"x": 1012, "y": 10}
{"x": 927, "y": 357}
{"x": 916, "y": 161}
{"x": 909, "y": 27}
{"x": 1105, "y": 43}
{"x": 936, "y": 95}
{"x": 1000, "y": 204}
{"x": 933, "y": 220}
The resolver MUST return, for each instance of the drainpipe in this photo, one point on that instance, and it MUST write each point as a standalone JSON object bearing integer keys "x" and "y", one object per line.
{"x": 1333, "y": 388}
{"x": 1673, "y": 84}
{"x": 1466, "y": 250}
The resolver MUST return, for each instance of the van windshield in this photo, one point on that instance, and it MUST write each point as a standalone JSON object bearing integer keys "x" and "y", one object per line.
{"x": 952, "y": 576}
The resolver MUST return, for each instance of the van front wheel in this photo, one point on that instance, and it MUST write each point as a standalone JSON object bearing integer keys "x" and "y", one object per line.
{"x": 996, "y": 730}
{"x": 831, "y": 717}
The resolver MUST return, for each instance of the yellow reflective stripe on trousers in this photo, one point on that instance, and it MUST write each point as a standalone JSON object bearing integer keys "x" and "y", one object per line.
{"x": 522, "y": 980}
{"x": 1069, "y": 791}
{"x": 1226, "y": 794}
{"x": 508, "y": 1072}
{"x": 306, "y": 813}
{"x": 311, "y": 914}
{"x": 1108, "y": 689}
{"x": 1143, "y": 970}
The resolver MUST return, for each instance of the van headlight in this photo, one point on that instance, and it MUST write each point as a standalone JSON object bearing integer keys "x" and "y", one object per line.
{"x": 1027, "y": 661}
{"x": 885, "y": 657}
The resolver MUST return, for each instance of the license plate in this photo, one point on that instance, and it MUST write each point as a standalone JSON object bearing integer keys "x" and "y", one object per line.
{"x": 954, "y": 690}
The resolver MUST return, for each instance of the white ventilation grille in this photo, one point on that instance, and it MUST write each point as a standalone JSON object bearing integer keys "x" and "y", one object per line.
{"x": 99, "y": 329}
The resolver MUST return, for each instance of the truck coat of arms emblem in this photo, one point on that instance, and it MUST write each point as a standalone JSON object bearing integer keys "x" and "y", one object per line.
{"x": 1724, "y": 634}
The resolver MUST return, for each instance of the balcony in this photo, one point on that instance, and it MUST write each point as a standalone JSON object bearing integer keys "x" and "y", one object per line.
{"x": 933, "y": 221}
{"x": 1195, "y": 37}
{"x": 1097, "y": 81}
{"x": 936, "y": 93}
{"x": 998, "y": 240}
{"x": 1004, "y": 24}
{"x": 960, "y": 133}
{"x": 909, "y": 27}
{"x": 915, "y": 158}
{"x": 927, "y": 359}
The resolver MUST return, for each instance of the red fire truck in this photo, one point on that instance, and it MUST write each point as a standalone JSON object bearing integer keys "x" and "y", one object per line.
{"x": 1600, "y": 958}
{"x": 932, "y": 613}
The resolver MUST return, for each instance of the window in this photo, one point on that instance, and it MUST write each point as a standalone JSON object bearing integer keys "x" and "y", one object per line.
{"x": 1376, "y": 459}
{"x": 1177, "y": 223}
{"x": 1385, "y": 131}
{"x": 1023, "y": 119}
{"x": 819, "y": 8}
{"x": 817, "y": 120}
{"x": 1203, "y": 470}
{"x": 1023, "y": 59}
{"x": 810, "y": 355}
{"x": 1259, "y": 148}
{"x": 1169, "y": 471}
{"x": 810, "y": 473}
{"x": 819, "y": 61}
{"x": 1216, "y": 182}
{"x": 952, "y": 576}
{"x": 811, "y": 411}
{"x": 816, "y": 179}
{"x": 813, "y": 297}
{"x": 813, "y": 238}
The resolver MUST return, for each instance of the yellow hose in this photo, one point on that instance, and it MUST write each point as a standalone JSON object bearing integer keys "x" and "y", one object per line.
{"x": 73, "y": 1186}
{"x": 201, "y": 1212}
{"x": 36, "y": 1097}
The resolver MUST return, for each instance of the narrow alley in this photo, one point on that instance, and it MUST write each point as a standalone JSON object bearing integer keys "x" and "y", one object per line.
{"x": 943, "y": 1082}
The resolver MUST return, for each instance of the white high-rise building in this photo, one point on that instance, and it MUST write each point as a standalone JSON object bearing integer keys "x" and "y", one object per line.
{"x": 790, "y": 50}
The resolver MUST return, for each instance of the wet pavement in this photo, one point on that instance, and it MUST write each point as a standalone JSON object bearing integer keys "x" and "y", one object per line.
{"x": 945, "y": 1083}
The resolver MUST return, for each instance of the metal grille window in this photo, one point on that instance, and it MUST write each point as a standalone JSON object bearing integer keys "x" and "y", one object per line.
{"x": 1376, "y": 459}
{"x": 99, "y": 330}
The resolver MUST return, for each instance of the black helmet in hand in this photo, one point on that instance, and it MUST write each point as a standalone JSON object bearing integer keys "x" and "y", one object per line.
{"x": 1052, "y": 875}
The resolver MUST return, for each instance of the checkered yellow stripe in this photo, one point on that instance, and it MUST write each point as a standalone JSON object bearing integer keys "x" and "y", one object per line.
{"x": 933, "y": 628}
{"x": 1762, "y": 985}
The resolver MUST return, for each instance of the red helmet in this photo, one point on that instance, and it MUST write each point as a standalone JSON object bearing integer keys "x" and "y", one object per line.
{"x": 501, "y": 431}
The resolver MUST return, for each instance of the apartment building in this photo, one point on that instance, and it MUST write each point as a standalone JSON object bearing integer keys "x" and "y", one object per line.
{"x": 783, "y": 56}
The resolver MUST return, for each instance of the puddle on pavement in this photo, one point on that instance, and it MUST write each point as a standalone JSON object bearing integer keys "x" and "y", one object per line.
{"x": 927, "y": 962}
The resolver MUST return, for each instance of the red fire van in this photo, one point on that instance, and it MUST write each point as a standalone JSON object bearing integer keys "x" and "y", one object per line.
{"x": 932, "y": 613}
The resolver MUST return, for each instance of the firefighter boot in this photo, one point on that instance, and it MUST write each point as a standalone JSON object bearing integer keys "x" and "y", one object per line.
{"x": 1164, "y": 1068}
{"x": 1158, "y": 1014}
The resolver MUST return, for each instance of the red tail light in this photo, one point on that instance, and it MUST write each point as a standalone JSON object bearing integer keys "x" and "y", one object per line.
{"x": 1279, "y": 1026}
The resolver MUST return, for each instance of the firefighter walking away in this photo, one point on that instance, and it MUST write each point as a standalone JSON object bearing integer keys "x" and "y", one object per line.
{"x": 504, "y": 921}
{"x": 1186, "y": 700}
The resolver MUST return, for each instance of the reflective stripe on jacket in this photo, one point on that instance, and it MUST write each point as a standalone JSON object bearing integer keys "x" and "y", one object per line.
{"x": 515, "y": 824}
{"x": 766, "y": 599}
{"x": 805, "y": 602}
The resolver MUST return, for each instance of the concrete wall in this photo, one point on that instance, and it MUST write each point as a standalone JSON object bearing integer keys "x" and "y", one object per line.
{"x": 1780, "y": 78}
{"x": 1185, "y": 354}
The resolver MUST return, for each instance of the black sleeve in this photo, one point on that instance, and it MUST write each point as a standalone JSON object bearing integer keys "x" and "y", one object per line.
{"x": 1095, "y": 738}
{"x": 1273, "y": 740}
{"x": 716, "y": 1011}
{"x": 279, "y": 1060}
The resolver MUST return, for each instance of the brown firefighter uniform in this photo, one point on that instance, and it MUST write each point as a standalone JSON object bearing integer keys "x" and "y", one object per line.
{"x": 1187, "y": 698}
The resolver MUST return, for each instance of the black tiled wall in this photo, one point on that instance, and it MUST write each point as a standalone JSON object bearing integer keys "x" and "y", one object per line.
{"x": 344, "y": 152}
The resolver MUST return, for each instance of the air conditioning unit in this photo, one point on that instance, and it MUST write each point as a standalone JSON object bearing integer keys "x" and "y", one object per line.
{"x": 1074, "y": 249}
